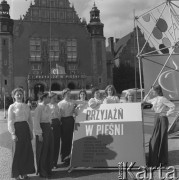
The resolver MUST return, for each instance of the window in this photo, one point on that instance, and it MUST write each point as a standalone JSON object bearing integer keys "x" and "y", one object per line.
{"x": 54, "y": 50}
{"x": 61, "y": 3}
{"x": 43, "y": 2}
{"x": 71, "y": 50}
{"x": 4, "y": 42}
{"x": 72, "y": 67}
{"x": 61, "y": 15}
{"x": 36, "y": 67}
{"x": 35, "y": 49}
{"x": 52, "y": 3}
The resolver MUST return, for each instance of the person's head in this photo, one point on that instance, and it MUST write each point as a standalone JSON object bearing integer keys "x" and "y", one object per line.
{"x": 66, "y": 93}
{"x": 96, "y": 93}
{"x": 110, "y": 90}
{"x": 157, "y": 90}
{"x": 44, "y": 98}
{"x": 82, "y": 95}
{"x": 130, "y": 96}
{"x": 18, "y": 95}
{"x": 53, "y": 97}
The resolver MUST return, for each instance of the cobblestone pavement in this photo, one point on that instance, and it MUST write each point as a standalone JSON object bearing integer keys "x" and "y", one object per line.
{"x": 61, "y": 173}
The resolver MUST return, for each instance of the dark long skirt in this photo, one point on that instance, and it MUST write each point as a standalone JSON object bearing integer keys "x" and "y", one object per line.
{"x": 23, "y": 157}
{"x": 67, "y": 128}
{"x": 56, "y": 129}
{"x": 44, "y": 151}
{"x": 158, "y": 144}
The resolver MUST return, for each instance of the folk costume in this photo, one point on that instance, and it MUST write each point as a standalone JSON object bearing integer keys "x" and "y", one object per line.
{"x": 44, "y": 149}
{"x": 158, "y": 144}
{"x": 20, "y": 124}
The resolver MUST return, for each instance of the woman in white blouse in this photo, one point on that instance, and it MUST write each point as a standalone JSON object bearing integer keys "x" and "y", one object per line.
{"x": 158, "y": 144}
{"x": 111, "y": 95}
{"x": 82, "y": 98}
{"x": 96, "y": 101}
{"x": 44, "y": 137}
{"x": 20, "y": 126}
{"x": 56, "y": 126}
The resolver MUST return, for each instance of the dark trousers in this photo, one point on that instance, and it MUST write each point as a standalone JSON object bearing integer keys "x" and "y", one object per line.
{"x": 23, "y": 157}
{"x": 67, "y": 128}
{"x": 56, "y": 129}
{"x": 44, "y": 151}
{"x": 158, "y": 144}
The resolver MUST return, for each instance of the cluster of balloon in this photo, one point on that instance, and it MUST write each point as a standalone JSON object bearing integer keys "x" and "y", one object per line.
{"x": 158, "y": 32}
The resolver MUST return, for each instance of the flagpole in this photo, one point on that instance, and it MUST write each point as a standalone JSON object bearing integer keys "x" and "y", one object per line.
{"x": 50, "y": 63}
{"x": 139, "y": 60}
{"x": 135, "y": 57}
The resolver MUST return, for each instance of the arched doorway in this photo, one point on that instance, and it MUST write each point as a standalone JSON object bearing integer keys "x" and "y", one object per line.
{"x": 38, "y": 89}
{"x": 71, "y": 85}
{"x": 55, "y": 87}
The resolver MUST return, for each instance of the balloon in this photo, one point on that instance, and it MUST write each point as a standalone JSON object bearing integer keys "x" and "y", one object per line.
{"x": 146, "y": 17}
{"x": 162, "y": 25}
{"x": 166, "y": 42}
{"x": 157, "y": 33}
{"x": 164, "y": 51}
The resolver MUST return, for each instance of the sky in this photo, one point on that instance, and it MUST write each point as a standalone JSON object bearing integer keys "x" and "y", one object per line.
{"x": 116, "y": 15}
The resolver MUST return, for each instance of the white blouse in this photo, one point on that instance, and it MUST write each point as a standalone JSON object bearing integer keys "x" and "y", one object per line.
{"x": 111, "y": 99}
{"x": 55, "y": 111}
{"x": 42, "y": 114}
{"x": 81, "y": 106}
{"x": 66, "y": 108}
{"x": 161, "y": 104}
{"x": 93, "y": 102}
{"x": 19, "y": 112}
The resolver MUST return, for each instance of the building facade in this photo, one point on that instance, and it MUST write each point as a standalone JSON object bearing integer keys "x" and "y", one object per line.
{"x": 123, "y": 52}
{"x": 50, "y": 48}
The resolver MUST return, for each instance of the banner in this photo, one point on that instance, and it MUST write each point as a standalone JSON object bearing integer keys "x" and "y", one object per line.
{"x": 168, "y": 79}
{"x": 108, "y": 135}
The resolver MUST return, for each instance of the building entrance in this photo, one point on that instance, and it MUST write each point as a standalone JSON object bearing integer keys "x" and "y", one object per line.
{"x": 55, "y": 87}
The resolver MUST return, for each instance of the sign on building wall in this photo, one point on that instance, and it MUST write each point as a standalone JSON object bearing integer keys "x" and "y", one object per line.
{"x": 106, "y": 136}
{"x": 58, "y": 69}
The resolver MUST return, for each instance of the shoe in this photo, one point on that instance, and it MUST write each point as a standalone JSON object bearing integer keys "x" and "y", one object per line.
{"x": 20, "y": 177}
{"x": 55, "y": 166}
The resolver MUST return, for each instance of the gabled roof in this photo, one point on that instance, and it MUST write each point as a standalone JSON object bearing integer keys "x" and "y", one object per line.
{"x": 121, "y": 43}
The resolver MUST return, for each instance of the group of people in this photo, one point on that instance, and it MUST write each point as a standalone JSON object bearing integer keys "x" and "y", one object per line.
{"x": 53, "y": 127}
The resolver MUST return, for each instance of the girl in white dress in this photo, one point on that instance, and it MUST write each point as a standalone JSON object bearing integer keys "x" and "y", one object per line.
{"x": 56, "y": 126}
{"x": 82, "y": 98}
{"x": 20, "y": 126}
{"x": 158, "y": 144}
{"x": 44, "y": 137}
{"x": 67, "y": 107}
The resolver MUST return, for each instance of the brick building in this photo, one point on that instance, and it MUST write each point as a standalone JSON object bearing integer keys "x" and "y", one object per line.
{"x": 50, "y": 48}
